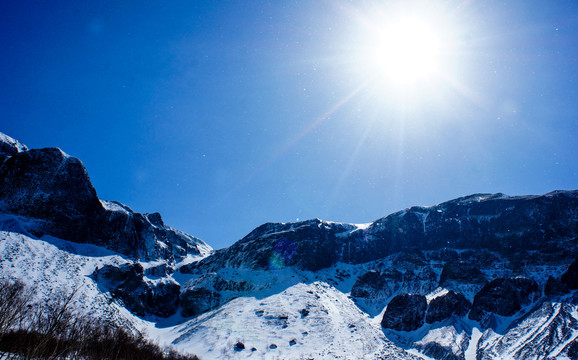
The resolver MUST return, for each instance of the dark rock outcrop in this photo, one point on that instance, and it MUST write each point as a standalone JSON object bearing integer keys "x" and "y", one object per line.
{"x": 554, "y": 287}
{"x": 444, "y": 255}
{"x": 373, "y": 283}
{"x": 47, "y": 184}
{"x": 197, "y": 300}
{"x": 421, "y": 281}
{"x": 461, "y": 272}
{"x": 504, "y": 296}
{"x": 53, "y": 187}
{"x": 446, "y": 306}
{"x": 204, "y": 293}
{"x": 159, "y": 271}
{"x": 483, "y": 223}
{"x": 9, "y": 147}
{"x": 309, "y": 245}
{"x": 140, "y": 295}
{"x": 405, "y": 312}
{"x": 115, "y": 275}
{"x": 570, "y": 276}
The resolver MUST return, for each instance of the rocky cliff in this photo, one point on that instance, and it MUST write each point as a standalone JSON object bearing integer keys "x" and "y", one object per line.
{"x": 54, "y": 188}
{"x": 506, "y": 225}
{"x": 484, "y": 276}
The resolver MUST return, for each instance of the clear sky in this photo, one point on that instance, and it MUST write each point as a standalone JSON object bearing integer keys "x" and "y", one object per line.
{"x": 223, "y": 115}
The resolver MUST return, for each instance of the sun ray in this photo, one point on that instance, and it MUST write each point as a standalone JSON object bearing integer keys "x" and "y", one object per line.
{"x": 295, "y": 140}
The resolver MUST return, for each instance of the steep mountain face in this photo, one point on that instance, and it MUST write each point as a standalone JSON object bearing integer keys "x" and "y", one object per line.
{"x": 479, "y": 277}
{"x": 506, "y": 225}
{"x": 54, "y": 188}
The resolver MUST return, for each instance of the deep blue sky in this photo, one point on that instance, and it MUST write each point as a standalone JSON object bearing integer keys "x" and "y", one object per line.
{"x": 223, "y": 115}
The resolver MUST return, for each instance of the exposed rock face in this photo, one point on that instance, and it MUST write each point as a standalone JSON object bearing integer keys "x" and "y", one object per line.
{"x": 461, "y": 272}
{"x": 51, "y": 186}
{"x": 198, "y": 300}
{"x": 9, "y": 146}
{"x": 498, "y": 223}
{"x": 375, "y": 284}
{"x": 405, "y": 312}
{"x": 504, "y": 296}
{"x": 140, "y": 295}
{"x": 570, "y": 277}
{"x": 554, "y": 286}
{"x": 204, "y": 293}
{"x": 309, "y": 245}
{"x": 436, "y": 351}
{"x": 446, "y": 306}
{"x": 159, "y": 298}
{"x": 159, "y": 271}
{"x": 548, "y": 332}
{"x": 145, "y": 236}
{"x": 420, "y": 281}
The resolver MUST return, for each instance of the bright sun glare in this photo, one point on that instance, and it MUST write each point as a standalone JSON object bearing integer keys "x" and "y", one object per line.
{"x": 407, "y": 51}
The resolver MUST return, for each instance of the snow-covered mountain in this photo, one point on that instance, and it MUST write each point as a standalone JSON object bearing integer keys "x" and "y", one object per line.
{"x": 485, "y": 276}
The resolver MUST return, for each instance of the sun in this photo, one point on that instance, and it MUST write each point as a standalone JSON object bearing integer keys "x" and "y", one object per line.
{"x": 406, "y": 52}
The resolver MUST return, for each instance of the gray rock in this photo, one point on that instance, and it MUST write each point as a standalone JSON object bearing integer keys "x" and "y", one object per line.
{"x": 51, "y": 186}
{"x": 375, "y": 284}
{"x": 197, "y": 300}
{"x": 159, "y": 271}
{"x": 554, "y": 287}
{"x": 504, "y": 296}
{"x": 461, "y": 272}
{"x": 570, "y": 276}
{"x": 421, "y": 281}
{"x": 128, "y": 284}
{"x": 405, "y": 312}
{"x": 446, "y": 306}
{"x": 483, "y": 223}
{"x": 9, "y": 146}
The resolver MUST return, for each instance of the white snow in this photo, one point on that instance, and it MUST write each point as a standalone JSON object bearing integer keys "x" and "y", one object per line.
{"x": 470, "y": 353}
{"x": 304, "y": 321}
{"x": 304, "y": 314}
{"x": 17, "y": 144}
{"x": 362, "y": 226}
{"x": 116, "y": 206}
{"x": 51, "y": 265}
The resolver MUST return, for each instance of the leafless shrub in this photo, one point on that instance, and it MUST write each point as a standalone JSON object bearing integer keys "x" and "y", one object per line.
{"x": 52, "y": 331}
{"x": 14, "y": 300}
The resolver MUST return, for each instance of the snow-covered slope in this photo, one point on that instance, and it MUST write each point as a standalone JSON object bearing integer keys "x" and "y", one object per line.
{"x": 54, "y": 188}
{"x": 486, "y": 276}
{"x": 305, "y": 321}
{"x": 54, "y": 267}
{"x": 287, "y": 313}
{"x": 308, "y": 319}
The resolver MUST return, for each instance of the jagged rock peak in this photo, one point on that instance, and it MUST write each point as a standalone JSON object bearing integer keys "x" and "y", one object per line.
{"x": 447, "y": 305}
{"x": 268, "y": 229}
{"x": 498, "y": 223}
{"x": 10, "y": 146}
{"x": 405, "y": 312}
{"x": 504, "y": 296}
{"x": 54, "y": 188}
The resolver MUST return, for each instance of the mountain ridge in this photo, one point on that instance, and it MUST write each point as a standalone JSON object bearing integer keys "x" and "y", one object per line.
{"x": 55, "y": 188}
{"x": 482, "y": 276}
{"x": 485, "y": 218}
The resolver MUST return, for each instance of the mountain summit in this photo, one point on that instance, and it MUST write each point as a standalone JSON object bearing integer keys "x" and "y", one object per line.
{"x": 54, "y": 188}
{"x": 484, "y": 276}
